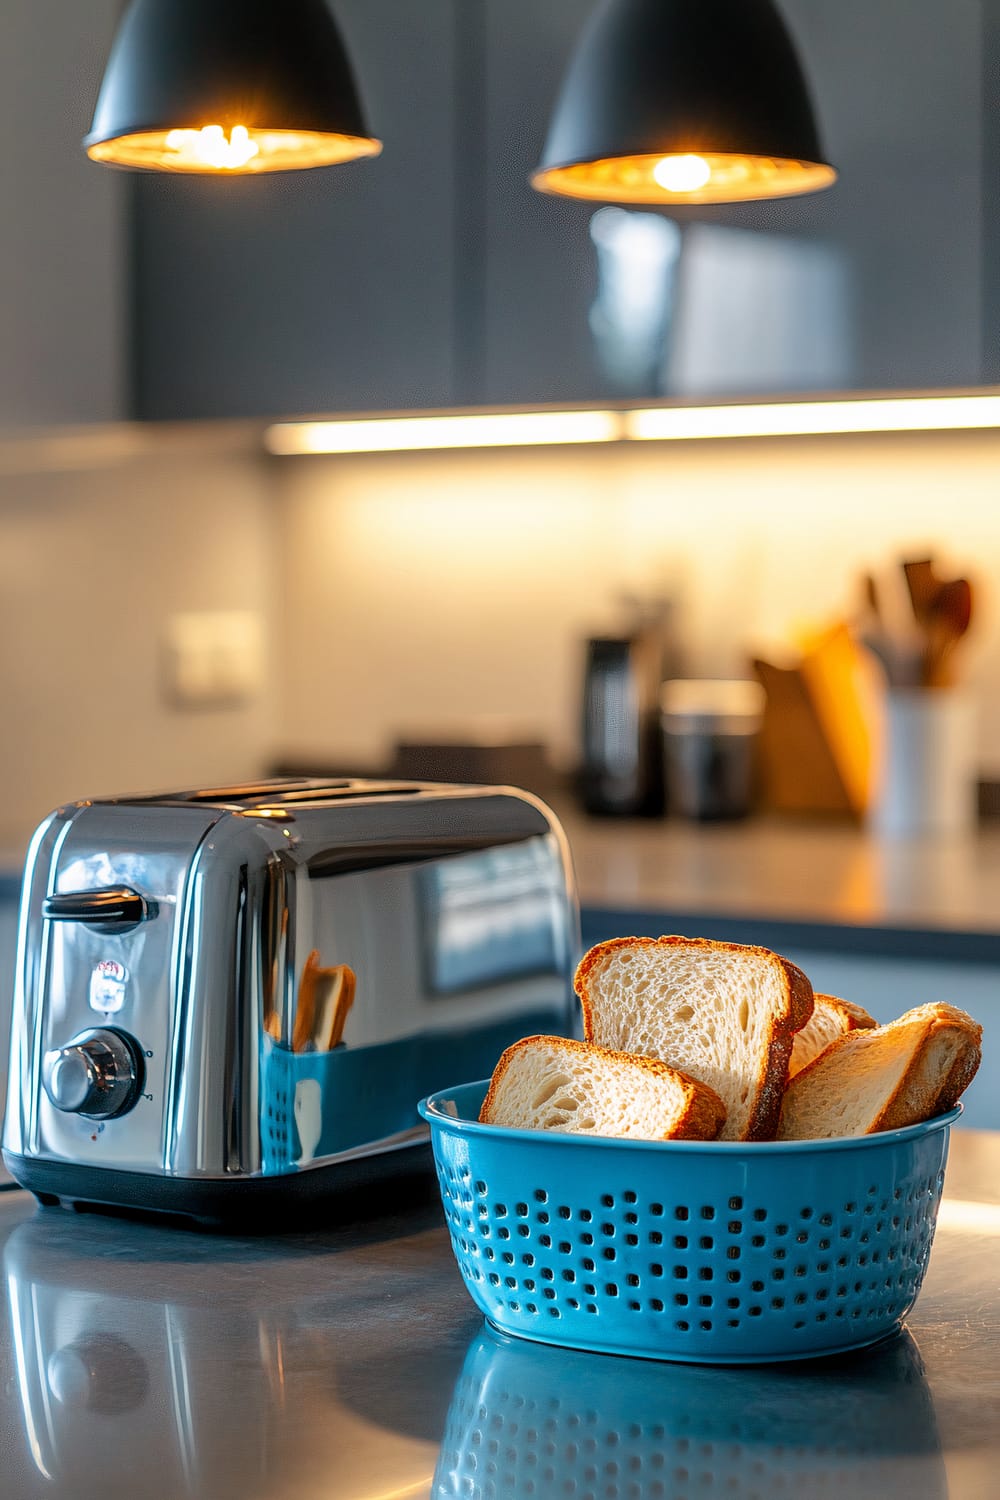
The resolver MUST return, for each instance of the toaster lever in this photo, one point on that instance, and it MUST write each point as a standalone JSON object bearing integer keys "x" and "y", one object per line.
{"x": 107, "y": 910}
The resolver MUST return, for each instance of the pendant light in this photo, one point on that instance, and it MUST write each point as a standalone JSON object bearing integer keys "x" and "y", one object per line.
{"x": 228, "y": 86}
{"x": 684, "y": 101}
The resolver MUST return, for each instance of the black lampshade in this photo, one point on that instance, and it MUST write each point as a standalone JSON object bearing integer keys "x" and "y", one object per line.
{"x": 228, "y": 86}
{"x": 684, "y": 101}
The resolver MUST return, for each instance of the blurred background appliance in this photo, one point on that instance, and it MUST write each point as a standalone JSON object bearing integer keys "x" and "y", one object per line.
{"x": 710, "y": 734}
{"x": 621, "y": 768}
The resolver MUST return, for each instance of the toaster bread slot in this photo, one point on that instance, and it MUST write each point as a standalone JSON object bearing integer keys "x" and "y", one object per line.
{"x": 343, "y": 792}
{"x": 263, "y": 791}
{"x": 278, "y": 793}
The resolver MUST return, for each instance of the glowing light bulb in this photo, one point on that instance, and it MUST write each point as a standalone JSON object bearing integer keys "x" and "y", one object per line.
{"x": 682, "y": 174}
{"x": 210, "y": 148}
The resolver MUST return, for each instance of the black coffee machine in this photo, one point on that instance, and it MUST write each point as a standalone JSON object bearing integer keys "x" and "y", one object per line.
{"x": 621, "y": 768}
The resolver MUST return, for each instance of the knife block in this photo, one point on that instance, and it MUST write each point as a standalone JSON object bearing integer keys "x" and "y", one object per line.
{"x": 821, "y": 734}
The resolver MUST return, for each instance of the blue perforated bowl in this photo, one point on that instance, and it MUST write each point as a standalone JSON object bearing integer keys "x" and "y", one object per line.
{"x": 708, "y": 1252}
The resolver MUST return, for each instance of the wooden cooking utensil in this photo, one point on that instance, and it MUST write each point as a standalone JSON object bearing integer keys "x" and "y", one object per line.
{"x": 949, "y": 619}
{"x": 923, "y": 584}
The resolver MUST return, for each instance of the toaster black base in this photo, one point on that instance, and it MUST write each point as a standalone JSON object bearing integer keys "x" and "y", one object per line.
{"x": 335, "y": 1194}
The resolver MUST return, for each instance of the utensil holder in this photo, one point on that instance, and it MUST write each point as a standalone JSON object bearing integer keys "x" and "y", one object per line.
{"x": 926, "y": 777}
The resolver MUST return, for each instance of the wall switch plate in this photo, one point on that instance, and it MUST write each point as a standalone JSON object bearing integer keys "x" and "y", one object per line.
{"x": 214, "y": 659}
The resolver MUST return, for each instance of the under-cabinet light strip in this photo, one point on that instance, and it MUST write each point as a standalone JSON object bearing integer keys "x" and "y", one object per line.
{"x": 814, "y": 418}
{"x": 649, "y": 424}
{"x": 479, "y": 430}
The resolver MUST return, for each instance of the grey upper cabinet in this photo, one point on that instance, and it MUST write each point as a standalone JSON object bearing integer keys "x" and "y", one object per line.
{"x": 436, "y": 276}
{"x": 62, "y": 241}
{"x": 536, "y": 258}
{"x": 901, "y": 89}
{"x": 875, "y": 284}
{"x": 313, "y": 291}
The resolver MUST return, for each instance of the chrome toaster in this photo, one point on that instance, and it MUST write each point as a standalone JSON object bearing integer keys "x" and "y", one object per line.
{"x": 229, "y": 1001}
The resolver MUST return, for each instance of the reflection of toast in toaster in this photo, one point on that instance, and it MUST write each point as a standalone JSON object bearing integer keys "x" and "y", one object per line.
{"x": 325, "y": 997}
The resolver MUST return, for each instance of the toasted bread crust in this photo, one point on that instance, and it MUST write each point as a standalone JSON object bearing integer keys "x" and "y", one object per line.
{"x": 922, "y": 1091}
{"x": 856, "y": 1018}
{"x": 763, "y": 1120}
{"x": 963, "y": 1071}
{"x": 934, "y": 1093}
{"x": 850, "y": 1018}
{"x": 701, "y": 1118}
{"x": 763, "y": 1125}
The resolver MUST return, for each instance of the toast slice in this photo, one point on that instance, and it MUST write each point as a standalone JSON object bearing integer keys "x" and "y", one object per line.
{"x": 831, "y": 1019}
{"x": 720, "y": 1012}
{"x": 885, "y": 1078}
{"x": 550, "y": 1083}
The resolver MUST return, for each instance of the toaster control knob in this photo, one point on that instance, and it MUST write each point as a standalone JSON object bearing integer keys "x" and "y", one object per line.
{"x": 99, "y": 1074}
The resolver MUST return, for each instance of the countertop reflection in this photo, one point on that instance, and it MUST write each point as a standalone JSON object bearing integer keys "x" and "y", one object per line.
{"x": 349, "y": 1364}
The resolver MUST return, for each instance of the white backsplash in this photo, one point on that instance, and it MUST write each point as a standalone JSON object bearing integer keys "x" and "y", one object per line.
{"x": 428, "y": 589}
{"x": 94, "y": 561}
{"x": 426, "y": 592}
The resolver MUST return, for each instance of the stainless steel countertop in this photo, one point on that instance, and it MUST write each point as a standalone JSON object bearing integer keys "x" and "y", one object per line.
{"x": 789, "y": 870}
{"x": 159, "y": 1364}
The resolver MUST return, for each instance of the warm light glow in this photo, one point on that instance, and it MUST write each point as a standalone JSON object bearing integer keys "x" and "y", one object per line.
{"x": 652, "y": 424}
{"x": 682, "y": 174}
{"x": 395, "y": 434}
{"x": 969, "y": 1218}
{"x": 685, "y": 178}
{"x": 244, "y": 149}
{"x": 210, "y": 149}
{"x": 420, "y": 1487}
{"x": 813, "y": 418}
